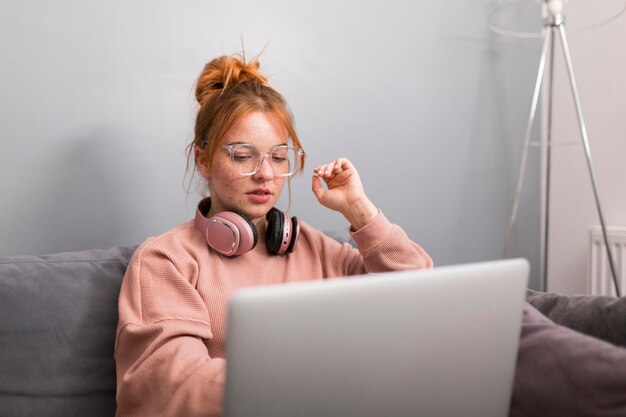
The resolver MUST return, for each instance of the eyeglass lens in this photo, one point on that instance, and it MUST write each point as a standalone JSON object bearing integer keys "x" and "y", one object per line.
{"x": 247, "y": 159}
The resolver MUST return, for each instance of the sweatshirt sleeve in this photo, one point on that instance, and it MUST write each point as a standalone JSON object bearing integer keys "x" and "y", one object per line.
{"x": 162, "y": 361}
{"x": 383, "y": 246}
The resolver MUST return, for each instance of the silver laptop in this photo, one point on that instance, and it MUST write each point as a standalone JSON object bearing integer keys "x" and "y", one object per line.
{"x": 439, "y": 342}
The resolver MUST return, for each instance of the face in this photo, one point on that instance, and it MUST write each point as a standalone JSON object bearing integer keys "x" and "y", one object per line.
{"x": 251, "y": 195}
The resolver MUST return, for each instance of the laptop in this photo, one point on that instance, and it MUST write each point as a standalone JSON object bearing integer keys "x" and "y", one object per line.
{"x": 438, "y": 342}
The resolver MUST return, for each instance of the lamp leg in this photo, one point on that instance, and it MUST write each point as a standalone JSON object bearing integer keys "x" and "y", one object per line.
{"x": 546, "y": 165}
{"x": 533, "y": 110}
{"x": 583, "y": 131}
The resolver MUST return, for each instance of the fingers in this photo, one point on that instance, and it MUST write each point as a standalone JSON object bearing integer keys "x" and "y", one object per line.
{"x": 318, "y": 188}
{"x": 334, "y": 174}
{"x": 333, "y": 168}
{"x": 343, "y": 191}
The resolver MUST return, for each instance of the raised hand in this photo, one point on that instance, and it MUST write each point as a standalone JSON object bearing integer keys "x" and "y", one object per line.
{"x": 345, "y": 192}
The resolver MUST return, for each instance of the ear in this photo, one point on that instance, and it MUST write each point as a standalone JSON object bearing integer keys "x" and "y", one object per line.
{"x": 201, "y": 161}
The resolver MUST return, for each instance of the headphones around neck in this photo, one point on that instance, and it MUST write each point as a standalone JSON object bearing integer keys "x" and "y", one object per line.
{"x": 231, "y": 233}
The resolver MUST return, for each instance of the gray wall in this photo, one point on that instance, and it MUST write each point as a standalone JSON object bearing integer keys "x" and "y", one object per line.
{"x": 97, "y": 107}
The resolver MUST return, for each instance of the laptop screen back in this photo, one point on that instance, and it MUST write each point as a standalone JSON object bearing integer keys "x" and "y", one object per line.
{"x": 439, "y": 342}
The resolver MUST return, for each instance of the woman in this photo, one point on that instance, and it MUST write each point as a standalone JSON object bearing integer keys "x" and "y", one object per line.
{"x": 172, "y": 307}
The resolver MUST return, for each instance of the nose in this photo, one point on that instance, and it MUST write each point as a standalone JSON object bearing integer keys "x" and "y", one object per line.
{"x": 265, "y": 171}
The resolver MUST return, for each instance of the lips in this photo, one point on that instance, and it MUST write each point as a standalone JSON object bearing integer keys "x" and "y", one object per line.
{"x": 260, "y": 195}
{"x": 260, "y": 191}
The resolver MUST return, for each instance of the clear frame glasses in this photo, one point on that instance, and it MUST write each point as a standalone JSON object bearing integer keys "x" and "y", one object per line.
{"x": 247, "y": 158}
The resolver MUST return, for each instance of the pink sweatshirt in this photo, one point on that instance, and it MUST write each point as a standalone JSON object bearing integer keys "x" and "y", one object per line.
{"x": 169, "y": 348}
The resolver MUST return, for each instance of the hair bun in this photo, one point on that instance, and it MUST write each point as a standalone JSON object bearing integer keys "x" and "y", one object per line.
{"x": 224, "y": 72}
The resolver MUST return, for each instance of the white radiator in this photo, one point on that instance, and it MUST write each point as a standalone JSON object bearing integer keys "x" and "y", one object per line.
{"x": 601, "y": 280}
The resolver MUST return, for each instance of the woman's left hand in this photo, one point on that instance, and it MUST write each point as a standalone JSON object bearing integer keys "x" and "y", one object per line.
{"x": 345, "y": 192}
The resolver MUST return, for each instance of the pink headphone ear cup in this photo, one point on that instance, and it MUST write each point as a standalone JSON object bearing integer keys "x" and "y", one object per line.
{"x": 282, "y": 232}
{"x": 231, "y": 234}
{"x": 251, "y": 227}
{"x": 274, "y": 232}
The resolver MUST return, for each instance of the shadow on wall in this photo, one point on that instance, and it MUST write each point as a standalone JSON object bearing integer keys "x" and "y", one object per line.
{"x": 493, "y": 159}
{"x": 74, "y": 196}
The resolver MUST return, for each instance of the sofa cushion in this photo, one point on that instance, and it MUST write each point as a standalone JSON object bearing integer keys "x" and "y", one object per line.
{"x": 603, "y": 317}
{"x": 58, "y": 316}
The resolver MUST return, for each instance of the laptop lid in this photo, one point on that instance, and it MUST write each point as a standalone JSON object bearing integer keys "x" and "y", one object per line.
{"x": 438, "y": 342}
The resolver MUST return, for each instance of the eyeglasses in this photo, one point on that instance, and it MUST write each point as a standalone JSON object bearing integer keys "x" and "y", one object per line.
{"x": 247, "y": 159}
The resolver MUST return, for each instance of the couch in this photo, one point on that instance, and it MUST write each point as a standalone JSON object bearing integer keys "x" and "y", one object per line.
{"x": 58, "y": 316}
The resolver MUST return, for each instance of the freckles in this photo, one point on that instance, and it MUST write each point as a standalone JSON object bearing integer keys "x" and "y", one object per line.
{"x": 231, "y": 177}
{"x": 229, "y": 183}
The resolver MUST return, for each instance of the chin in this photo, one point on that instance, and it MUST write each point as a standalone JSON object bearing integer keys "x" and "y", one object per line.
{"x": 257, "y": 211}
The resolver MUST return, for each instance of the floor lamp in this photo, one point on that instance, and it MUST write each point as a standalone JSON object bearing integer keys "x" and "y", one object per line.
{"x": 554, "y": 25}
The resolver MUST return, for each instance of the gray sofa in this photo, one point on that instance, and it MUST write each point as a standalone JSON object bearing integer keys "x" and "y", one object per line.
{"x": 58, "y": 316}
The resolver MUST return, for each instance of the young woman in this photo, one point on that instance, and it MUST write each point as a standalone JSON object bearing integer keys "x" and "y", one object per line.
{"x": 172, "y": 307}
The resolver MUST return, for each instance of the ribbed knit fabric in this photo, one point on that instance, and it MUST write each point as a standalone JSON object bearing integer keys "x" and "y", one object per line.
{"x": 603, "y": 317}
{"x": 169, "y": 347}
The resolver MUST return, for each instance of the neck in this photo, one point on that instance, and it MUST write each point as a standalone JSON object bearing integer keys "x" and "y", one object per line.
{"x": 261, "y": 227}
